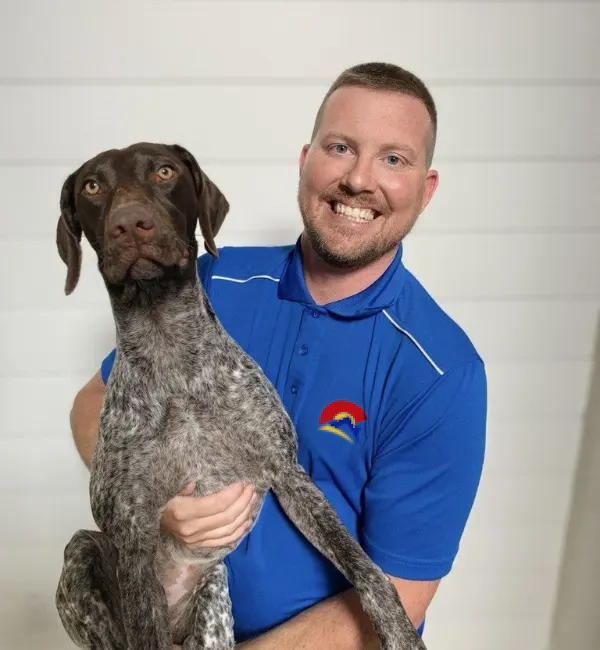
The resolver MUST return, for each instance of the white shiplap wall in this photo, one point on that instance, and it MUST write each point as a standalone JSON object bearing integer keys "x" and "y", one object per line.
{"x": 508, "y": 245}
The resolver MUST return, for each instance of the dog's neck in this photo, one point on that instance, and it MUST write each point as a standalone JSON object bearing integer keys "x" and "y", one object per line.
{"x": 163, "y": 326}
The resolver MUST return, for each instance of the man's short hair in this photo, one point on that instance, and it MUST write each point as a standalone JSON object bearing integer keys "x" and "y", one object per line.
{"x": 385, "y": 76}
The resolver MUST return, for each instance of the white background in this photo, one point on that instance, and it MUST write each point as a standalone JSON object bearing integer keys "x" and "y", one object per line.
{"x": 509, "y": 244}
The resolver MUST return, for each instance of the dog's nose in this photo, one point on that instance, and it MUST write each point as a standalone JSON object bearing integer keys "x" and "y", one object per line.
{"x": 133, "y": 220}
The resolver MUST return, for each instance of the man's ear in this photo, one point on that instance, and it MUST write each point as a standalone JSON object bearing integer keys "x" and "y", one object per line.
{"x": 68, "y": 233}
{"x": 212, "y": 204}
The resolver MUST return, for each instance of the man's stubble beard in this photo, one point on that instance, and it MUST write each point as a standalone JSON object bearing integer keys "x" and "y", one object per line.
{"x": 349, "y": 260}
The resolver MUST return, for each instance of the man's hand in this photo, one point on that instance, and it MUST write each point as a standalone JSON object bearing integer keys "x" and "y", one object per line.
{"x": 219, "y": 519}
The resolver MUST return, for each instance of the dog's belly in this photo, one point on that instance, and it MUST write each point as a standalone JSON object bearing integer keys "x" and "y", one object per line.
{"x": 179, "y": 581}
{"x": 180, "y": 570}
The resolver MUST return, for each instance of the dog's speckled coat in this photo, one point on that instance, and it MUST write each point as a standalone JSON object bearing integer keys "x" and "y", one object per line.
{"x": 184, "y": 403}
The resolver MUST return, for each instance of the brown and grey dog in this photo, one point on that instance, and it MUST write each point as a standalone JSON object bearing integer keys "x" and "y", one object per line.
{"x": 183, "y": 403}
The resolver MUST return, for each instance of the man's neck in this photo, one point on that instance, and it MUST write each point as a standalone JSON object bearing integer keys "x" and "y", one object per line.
{"x": 326, "y": 283}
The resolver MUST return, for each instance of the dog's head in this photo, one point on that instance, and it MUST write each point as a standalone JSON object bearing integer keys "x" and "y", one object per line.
{"x": 138, "y": 207}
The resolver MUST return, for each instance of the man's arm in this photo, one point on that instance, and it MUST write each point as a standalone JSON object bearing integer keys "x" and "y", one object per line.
{"x": 339, "y": 623}
{"x": 85, "y": 416}
{"x": 423, "y": 481}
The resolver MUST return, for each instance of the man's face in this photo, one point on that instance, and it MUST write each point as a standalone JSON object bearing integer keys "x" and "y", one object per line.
{"x": 364, "y": 179}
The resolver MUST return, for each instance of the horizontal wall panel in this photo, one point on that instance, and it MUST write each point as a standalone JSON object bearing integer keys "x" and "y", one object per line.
{"x": 506, "y": 502}
{"x": 71, "y": 40}
{"x": 539, "y": 444}
{"x": 460, "y": 630}
{"x": 505, "y": 593}
{"x": 73, "y": 123}
{"x": 482, "y": 267}
{"x": 503, "y": 197}
{"x": 528, "y": 389}
{"x": 38, "y": 406}
{"x": 475, "y": 267}
{"x": 529, "y": 330}
{"x": 55, "y": 468}
{"x": 67, "y": 340}
{"x": 523, "y": 547}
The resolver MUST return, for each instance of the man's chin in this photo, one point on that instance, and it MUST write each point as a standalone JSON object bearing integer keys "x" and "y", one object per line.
{"x": 340, "y": 256}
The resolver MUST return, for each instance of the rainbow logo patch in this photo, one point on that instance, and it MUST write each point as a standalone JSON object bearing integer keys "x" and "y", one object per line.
{"x": 343, "y": 418}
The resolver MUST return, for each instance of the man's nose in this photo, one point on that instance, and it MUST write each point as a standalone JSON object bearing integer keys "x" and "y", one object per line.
{"x": 133, "y": 220}
{"x": 360, "y": 177}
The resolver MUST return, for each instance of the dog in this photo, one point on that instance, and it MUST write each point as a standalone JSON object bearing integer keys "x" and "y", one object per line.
{"x": 178, "y": 391}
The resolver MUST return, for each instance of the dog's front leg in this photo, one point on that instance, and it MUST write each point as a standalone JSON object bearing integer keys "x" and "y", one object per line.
{"x": 144, "y": 605}
{"x": 129, "y": 519}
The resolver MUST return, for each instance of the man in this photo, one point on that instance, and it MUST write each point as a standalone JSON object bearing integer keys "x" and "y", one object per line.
{"x": 387, "y": 393}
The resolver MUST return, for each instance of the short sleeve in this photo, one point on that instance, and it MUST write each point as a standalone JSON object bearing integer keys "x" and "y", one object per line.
{"x": 204, "y": 265}
{"x": 107, "y": 364}
{"x": 425, "y": 476}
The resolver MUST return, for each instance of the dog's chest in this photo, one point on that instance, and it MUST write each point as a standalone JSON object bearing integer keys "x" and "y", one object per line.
{"x": 203, "y": 445}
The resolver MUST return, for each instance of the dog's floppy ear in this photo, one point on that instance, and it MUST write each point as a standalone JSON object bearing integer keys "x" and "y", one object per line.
{"x": 212, "y": 204}
{"x": 68, "y": 233}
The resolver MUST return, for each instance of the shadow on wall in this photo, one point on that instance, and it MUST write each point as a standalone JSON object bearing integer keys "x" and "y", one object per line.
{"x": 576, "y": 620}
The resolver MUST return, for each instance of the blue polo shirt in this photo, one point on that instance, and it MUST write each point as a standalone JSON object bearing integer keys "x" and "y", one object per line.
{"x": 388, "y": 397}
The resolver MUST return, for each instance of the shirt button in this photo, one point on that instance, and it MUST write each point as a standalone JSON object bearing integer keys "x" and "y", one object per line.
{"x": 294, "y": 389}
{"x": 316, "y": 314}
{"x": 303, "y": 350}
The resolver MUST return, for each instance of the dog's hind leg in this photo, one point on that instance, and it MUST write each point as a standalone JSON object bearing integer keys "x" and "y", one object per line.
{"x": 210, "y": 614}
{"x": 87, "y": 597}
{"x": 315, "y": 517}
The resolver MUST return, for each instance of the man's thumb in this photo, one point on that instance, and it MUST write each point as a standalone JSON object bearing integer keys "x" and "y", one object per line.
{"x": 188, "y": 489}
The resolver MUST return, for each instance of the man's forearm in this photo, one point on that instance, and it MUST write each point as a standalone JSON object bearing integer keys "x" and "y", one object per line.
{"x": 338, "y": 623}
{"x": 84, "y": 418}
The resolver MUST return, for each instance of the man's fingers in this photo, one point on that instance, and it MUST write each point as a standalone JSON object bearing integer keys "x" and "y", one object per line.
{"x": 193, "y": 528}
{"x": 221, "y": 541}
{"x": 190, "y": 508}
{"x": 228, "y": 529}
{"x": 188, "y": 489}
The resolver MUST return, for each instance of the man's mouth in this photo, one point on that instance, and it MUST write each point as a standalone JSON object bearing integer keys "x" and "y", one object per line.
{"x": 361, "y": 215}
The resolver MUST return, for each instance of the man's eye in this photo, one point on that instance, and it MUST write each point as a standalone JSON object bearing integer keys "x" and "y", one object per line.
{"x": 340, "y": 148}
{"x": 394, "y": 160}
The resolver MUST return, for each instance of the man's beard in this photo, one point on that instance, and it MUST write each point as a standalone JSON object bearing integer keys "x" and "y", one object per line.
{"x": 352, "y": 259}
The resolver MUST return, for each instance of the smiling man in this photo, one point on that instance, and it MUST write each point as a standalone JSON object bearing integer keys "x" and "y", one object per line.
{"x": 387, "y": 393}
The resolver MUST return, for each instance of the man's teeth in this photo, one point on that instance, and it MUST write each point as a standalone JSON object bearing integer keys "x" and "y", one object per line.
{"x": 356, "y": 214}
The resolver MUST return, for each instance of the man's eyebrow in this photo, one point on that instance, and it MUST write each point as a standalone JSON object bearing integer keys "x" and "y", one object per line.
{"x": 386, "y": 147}
{"x": 338, "y": 136}
{"x": 400, "y": 147}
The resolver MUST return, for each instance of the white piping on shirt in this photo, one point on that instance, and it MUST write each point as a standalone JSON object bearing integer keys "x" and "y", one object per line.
{"x": 414, "y": 340}
{"x": 394, "y": 323}
{"x": 252, "y": 277}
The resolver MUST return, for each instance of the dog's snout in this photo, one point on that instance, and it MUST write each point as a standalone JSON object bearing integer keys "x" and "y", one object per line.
{"x": 132, "y": 220}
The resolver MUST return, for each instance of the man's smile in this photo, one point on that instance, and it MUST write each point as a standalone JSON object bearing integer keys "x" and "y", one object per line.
{"x": 353, "y": 213}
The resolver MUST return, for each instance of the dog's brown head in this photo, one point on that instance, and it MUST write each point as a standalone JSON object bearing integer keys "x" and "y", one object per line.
{"x": 138, "y": 207}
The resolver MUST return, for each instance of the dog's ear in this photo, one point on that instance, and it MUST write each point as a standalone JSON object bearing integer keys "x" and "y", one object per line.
{"x": 212, "y": 204}
{"x": 68, "y": 233}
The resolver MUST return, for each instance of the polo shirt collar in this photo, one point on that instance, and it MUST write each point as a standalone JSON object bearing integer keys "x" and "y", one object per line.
{"x": 379, "y": 295}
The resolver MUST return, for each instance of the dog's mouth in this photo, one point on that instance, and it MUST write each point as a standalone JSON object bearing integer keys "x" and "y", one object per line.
{"x": 144, "y": 263}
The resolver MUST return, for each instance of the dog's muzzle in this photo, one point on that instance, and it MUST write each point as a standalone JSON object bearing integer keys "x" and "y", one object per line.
{"x": 139, "y": 244}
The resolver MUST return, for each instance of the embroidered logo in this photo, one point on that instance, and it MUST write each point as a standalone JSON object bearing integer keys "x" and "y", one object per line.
{"x": 342, "y": 418}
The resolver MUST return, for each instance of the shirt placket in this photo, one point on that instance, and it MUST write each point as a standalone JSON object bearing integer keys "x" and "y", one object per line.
{"x": 305, "y": 358}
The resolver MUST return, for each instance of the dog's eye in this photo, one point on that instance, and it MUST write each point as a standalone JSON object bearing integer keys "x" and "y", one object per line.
{"x": 165, "y": 172}
{"x": 91, "y": 187}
